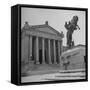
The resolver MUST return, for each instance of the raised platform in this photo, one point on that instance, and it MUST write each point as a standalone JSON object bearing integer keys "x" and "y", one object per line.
{"x": 75, "y": 56}
{"x": 42, "y": 69}
{"x": 55, "y": 75}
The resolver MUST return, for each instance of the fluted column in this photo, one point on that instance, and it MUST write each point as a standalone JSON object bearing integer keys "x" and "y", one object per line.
{"x": 61, "y": 47}
{"x": 59, "y": 51}
{"x": 54, "y": 49}
{"x": 43, "y": 51}
{"x": 49, "y": 52}
{"x": 37, "y": 50}
{"x": 30, "y": 47}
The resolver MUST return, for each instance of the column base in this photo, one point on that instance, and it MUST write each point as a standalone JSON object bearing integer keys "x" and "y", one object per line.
{"x": 43, "y": 63}
{"x": 50, "y": 62}
{"x": 37, "y": 62}
{"x": 30, "y": 59}
{"x": 55, "y": 62}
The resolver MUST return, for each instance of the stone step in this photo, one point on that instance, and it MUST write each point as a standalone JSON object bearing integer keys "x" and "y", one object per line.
{"x": 48, "y": 66}
{"x": 54, "y": 76}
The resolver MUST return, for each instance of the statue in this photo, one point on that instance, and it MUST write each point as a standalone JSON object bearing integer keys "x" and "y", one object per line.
{"x": 71, "y": 26}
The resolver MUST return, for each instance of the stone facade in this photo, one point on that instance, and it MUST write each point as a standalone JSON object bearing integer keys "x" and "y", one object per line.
{"x": 41, "y": 44}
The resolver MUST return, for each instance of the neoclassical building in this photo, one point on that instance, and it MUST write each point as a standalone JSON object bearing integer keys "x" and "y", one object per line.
{"x": 41, "y": 44}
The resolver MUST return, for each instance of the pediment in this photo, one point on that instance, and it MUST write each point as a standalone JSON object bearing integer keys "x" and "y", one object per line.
{"x": 45, "y": 29}
{"x": 42, "y": 29}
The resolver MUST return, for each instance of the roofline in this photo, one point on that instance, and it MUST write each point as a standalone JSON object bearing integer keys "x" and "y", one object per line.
{"x": 43, "y": 25}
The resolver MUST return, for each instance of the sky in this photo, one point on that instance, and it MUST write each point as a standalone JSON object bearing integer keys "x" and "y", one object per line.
{"x": 56, "y": 19}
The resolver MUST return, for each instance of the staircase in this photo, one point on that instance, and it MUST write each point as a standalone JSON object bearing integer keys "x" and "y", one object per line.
{"x": 56, "y": 76}
{"x": 68, "y": 75}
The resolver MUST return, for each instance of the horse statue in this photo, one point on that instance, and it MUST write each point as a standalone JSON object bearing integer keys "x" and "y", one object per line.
{"x": 70, "y": 27}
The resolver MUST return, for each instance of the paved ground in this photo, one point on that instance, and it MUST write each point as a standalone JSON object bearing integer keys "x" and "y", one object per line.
{"x": 59, "y": 75}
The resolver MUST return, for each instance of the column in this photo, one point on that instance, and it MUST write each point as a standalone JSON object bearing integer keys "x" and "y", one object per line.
{"x": 30, "y": 48}
{"x": 59, "y": 51}
{"x": 60, "y": 47}
{"x": 49, "y": 52}
{"x": 54, "y": 50}
{"x": 37, "y": 51}
{"x": 43, "y": 51}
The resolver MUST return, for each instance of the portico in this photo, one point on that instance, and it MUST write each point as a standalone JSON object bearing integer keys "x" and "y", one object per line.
{"x": 43, "y": 44}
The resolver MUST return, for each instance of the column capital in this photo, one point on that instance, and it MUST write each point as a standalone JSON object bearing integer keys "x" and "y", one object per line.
{"x": 43, "y": 38}
{"x": 60, "y": 40}
{"x": 37, "y": 37}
